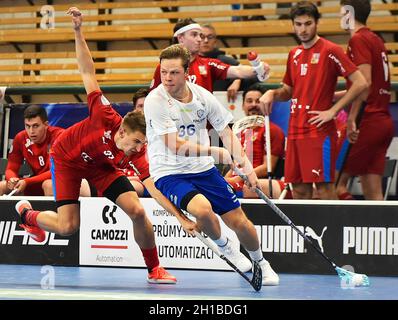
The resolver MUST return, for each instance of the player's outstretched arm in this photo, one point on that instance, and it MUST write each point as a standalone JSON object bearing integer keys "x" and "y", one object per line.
{"x": 83, "y": 55}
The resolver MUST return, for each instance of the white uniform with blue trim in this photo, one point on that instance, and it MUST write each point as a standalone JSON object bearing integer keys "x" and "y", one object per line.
{"x": 164, "y": 114}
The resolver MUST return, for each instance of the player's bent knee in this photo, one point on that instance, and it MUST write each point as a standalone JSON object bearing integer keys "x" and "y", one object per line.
{"x": 136, "y": 212}
{"x": 68, "y": 228}
{"x": 202, "y": 212}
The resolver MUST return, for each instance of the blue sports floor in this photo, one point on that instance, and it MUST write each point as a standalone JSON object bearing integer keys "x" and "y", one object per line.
{"x": 93, "y": 283}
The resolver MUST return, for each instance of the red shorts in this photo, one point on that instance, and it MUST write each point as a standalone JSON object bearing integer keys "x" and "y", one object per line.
{"x": 35, "y": 189}
{"x": 67, "y": 179}
{"x": 367, "y": 155}
{"x": 311, "y": 160}
{"x": 282, "y": 185}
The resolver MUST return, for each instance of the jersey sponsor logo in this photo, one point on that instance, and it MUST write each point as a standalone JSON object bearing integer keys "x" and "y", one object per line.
{"x": 136, "y": 171}
{"x": 214, "y": 64}
{"x": 386, "y": 67}
{"x": 86, "y": 157}
{"x": 370, "y": 240}
{"x": 384, "y": 91}
{"x": 316, "y": 172}
{"x": 337, "y": 61}
{"x": 297, "y": 53}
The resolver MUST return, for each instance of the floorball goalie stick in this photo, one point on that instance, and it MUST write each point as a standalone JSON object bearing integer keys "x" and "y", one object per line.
{"x": 348, "y": 278}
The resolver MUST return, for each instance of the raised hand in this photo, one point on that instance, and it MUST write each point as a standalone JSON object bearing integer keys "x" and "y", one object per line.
{"x": 77, "y": 17}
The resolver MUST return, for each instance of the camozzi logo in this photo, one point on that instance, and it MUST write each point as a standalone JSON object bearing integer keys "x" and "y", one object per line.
{"x": 283, "y": 238}
{"x": 370, "y": 240}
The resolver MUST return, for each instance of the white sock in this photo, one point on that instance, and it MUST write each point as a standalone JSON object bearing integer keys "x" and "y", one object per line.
{"x": 256, "y": 255}
{"x": 222, "y": 241}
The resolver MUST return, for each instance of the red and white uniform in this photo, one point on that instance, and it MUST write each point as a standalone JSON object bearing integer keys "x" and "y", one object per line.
{"x": 253, "y": 142}
{"x": 202, "y": 71}
{"x": 136, "y": 165}
{"x": 87, "y": 150}
{"x": 367, "y": 155}
{"x": 312, "y": 73}
{"x": 36, "y": 155}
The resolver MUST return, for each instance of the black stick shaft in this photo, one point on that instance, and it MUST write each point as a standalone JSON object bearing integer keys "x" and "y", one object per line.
{"x": 284, "y": 217}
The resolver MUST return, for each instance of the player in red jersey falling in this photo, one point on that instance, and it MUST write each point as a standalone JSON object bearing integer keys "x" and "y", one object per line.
{"x": 90, "y": 149}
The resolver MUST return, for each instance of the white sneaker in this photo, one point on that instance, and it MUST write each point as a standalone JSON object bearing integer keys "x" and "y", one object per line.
{"x": 270, "y": 278}
{"x": 236, "y": 257}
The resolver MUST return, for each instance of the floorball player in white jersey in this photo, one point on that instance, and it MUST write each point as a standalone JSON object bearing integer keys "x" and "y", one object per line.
{"x": 181, "y": 160}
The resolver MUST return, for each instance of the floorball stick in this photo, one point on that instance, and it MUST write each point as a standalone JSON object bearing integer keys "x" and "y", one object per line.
{"x": 255, "y": 281}
{"x": 348, "y": 278}
{"x": 268, "y": 151}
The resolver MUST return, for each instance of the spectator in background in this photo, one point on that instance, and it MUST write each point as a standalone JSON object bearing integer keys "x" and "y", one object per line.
{"x": 310, "y": 80}
{"x": 32, "y": 145}
{"x": 253, "y": 143}
{"x": 204, "y": 71}
{"x": 208, "y": 49}
{"x": 372, "y": 136}
{"x": 139, "y": 98}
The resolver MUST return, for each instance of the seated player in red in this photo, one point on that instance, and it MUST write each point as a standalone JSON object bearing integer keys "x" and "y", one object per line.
{"x": 32, "y": 146}
{"x": 253, "y": 142}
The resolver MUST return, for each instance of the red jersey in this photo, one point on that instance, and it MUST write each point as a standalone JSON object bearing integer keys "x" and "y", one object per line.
{"x": 253, "y": 142}
{"x": 36, "y": 155}
{"x": 313, "y": 73}
{"x": 135, "y": 165}
{"x": 89, "y": 144}
{"x": 202, "y": 71}
{"x": 365, "y": 47}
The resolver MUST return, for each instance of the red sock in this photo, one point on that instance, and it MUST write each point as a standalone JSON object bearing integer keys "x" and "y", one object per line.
{"x": 346, "y": 196}
{"x": 151, "y": 258}
{"x": 30, "y": 217}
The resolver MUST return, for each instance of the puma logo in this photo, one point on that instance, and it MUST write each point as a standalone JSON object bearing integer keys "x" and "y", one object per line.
{"x": 317, "y": 172}
{"x": 309, "y": 232}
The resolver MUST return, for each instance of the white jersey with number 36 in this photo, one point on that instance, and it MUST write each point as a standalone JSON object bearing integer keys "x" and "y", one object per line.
{"x": 164, "y": 115}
